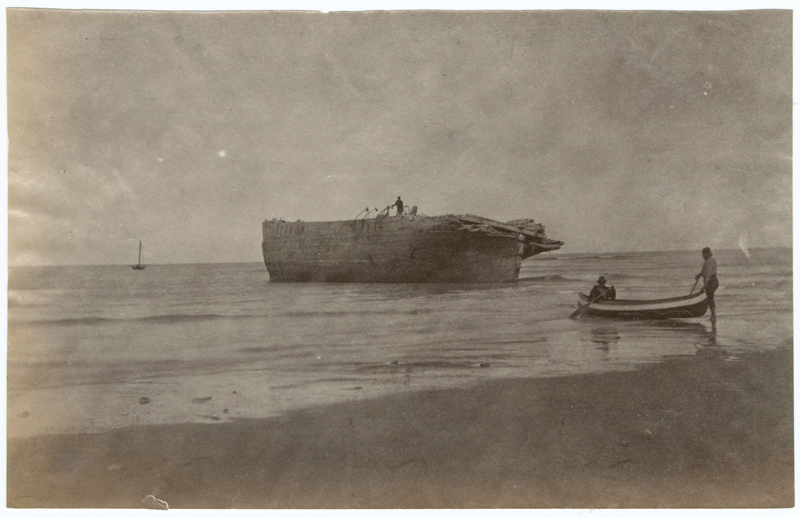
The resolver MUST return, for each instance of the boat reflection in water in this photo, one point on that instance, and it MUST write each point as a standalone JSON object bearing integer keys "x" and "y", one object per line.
{"x": 696, "y": 332}
{"x": 604, "y": 337}
{"x": 624, "y": 338}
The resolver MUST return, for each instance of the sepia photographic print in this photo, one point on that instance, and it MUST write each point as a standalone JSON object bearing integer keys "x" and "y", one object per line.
{"x": 386, "y": 258}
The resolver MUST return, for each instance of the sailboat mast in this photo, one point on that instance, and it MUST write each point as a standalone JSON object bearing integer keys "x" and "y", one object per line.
{"x": 139, "y": 265}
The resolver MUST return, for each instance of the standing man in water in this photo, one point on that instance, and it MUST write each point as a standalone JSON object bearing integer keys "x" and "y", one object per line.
{"x": 710, "y": 282}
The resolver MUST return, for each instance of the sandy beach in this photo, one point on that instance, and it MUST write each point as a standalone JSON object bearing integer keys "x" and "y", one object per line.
{"x": 702, "y": 431}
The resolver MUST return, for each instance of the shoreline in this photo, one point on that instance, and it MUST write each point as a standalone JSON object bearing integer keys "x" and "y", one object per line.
{"x": 688, "y": 432}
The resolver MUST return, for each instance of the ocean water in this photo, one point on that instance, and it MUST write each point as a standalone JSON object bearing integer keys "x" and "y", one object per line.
{"x": 91, "y": 348}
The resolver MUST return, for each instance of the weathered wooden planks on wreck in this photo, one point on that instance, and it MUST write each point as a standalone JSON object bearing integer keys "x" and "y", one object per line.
{"x": 399, "y": 249}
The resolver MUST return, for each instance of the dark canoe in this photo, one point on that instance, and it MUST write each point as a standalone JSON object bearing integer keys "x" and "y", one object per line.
{"x": 688, "y": 306}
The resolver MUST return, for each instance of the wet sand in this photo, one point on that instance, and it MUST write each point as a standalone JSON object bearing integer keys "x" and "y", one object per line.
{"x": 699, "y": 432}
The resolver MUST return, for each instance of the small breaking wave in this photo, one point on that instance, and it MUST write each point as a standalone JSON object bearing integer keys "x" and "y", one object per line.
{"x": 548, "y": 278}
{"x": 335, "y": 313}
{"x": 421, "y": 365}
{"x": 204, "y": 317}
{"x": 153, "y": 319}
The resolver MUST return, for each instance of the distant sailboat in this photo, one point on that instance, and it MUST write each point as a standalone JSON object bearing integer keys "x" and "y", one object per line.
{"x": 743, "y": 244}
{"x": 139, "y": 265}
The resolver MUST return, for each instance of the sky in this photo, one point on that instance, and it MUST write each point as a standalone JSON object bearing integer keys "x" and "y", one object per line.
{"x": 618, "y": 130}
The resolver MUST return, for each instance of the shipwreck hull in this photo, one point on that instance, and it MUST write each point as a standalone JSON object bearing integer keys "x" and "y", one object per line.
{"x": 442, "y": 249}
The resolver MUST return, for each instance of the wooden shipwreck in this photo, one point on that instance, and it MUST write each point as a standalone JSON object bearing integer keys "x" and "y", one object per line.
{"x": 402, "y": 249}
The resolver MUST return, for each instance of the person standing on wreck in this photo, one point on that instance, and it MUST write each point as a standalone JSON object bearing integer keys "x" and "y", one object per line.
{"x": 399, "y": 205}
{"x": 710, "y": 282}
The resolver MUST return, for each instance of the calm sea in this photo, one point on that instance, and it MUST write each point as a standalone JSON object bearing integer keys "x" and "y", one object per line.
{"x": 92, "y": 348}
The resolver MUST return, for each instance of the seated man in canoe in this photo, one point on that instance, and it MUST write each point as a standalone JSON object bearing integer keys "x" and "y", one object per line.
{"x": 602, "y": 292}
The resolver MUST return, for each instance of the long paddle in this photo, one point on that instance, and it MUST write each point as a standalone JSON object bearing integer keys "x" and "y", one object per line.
{"x": 695, "y": 285}
{"x": 581, "y": 310}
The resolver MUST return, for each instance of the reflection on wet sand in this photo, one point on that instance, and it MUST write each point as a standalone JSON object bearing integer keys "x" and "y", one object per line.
{"x": 605, "y": 337}
{"x": 698, "y": 333}
{"x": 712, "y": 349}
{"x": 712, "y": 335}
{"x": 666, "y": 333}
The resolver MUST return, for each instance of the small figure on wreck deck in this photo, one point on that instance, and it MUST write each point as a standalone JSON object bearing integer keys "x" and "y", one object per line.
{"x": 710, "y": 282}
{"x": 399, "y": 205}
{"x": 602, "y": 292}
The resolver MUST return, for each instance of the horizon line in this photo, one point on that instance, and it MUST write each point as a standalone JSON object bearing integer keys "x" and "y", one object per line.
{"x": 550, "y": 254}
